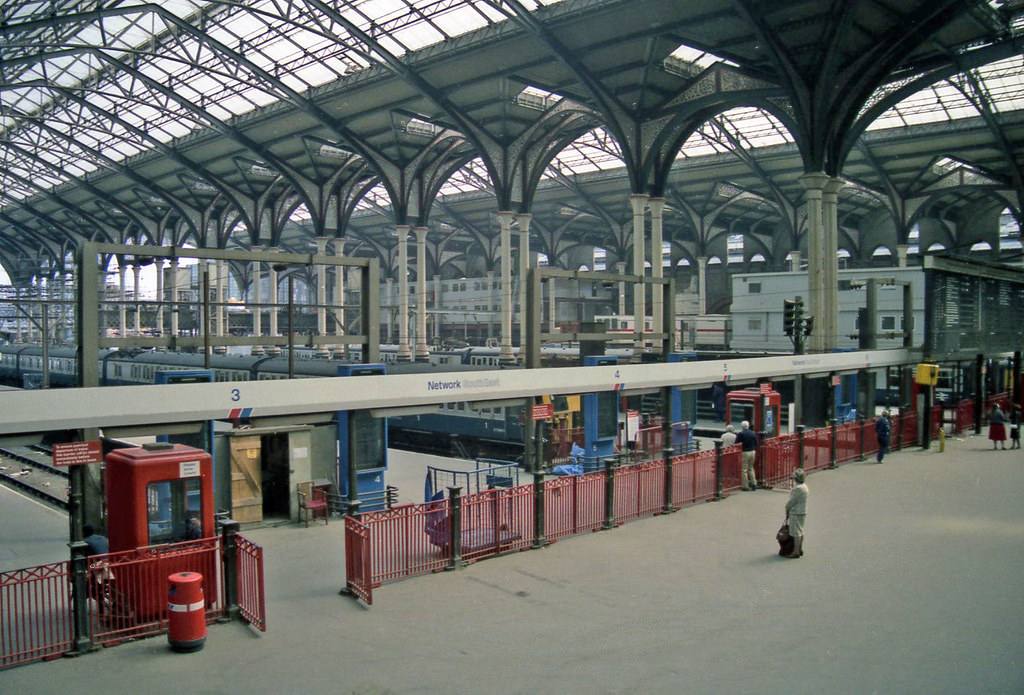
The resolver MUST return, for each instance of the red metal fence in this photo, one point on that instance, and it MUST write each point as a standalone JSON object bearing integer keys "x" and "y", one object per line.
{"x": 252, "y": 605}
{"x": 414, "y": 539}
{"x": 573, "y": 505}
{"x": 126, "y": 597}
{"x": 128, "y": 590}
{"x": 778, "y": 456}
{"x": 693, "y": 475}
{"x": 35, "y": 613}
{"x": 496, "y": 521}
{"x": 639, "y": 491}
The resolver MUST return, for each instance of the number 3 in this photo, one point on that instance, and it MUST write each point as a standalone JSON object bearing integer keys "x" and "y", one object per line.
{"x": 236, "y": 395}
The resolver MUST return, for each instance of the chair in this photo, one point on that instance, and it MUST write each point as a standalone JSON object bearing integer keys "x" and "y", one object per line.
{"x": 312, "y": 501}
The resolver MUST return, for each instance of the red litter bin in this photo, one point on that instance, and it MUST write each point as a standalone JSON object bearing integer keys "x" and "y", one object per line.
{"x": 186, "y": 612}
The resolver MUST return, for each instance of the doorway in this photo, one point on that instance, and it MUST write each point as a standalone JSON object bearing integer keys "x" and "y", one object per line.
{"x": 274, "y": 473}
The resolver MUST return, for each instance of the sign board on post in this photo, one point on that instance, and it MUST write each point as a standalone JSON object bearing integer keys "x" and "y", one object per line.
{"x": 632, "y": 424}
{"x": 766, "y": 388}
{"x": 77, "y": 453}
{"x": 542, "y": 411}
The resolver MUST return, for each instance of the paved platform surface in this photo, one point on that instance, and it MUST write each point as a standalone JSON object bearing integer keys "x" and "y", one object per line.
{"x": 913, "y": 582}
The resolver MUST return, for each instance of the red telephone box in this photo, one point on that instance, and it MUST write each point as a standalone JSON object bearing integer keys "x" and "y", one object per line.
{"x": 156, "y": 493}
{"x": 759, "y": 408}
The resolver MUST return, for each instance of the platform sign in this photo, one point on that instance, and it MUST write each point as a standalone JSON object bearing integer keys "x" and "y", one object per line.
{"x": 77, "y": 453}
{"x": 632, "y": 425}
{"x": 542, "y": 411}
{"x": 766, "y": 388}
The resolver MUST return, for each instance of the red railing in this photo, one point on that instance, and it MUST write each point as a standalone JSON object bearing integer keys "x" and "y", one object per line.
{"x": 778, "y": 460}
{"x": 817, "y": 449}
{"x": 848, "y": 441}
{"x": 639, "y": 491}
{"x": 406, "y": 540}
{"x": 415, "y": 539}
{"x": 357, "y": 559}
{"x": 126, "y": 597}
{"x": 964, "y": 418}
{"x": 496, "y": 521}
{"x": 129, "y": 589}
{"x": 904, "y": 429}
{"x": 693, "y": 475}
{"x": 35, "y": 614}
{"x": 252, "y": 603}
{"x": 573, "y": 505}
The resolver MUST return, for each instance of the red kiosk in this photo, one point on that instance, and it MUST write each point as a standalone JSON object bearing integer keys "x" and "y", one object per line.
{"x": 159, "y": 496}
{"x": 153, "y": 491}
{"x": 759, "y": 408}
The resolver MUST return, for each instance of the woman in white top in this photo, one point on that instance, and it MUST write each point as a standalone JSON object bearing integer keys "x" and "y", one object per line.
{"x": 796, "y": 512}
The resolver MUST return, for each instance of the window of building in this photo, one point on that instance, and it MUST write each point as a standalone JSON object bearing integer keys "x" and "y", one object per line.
{"x": 888, "y": 323}
{"x": 754, "y": 288}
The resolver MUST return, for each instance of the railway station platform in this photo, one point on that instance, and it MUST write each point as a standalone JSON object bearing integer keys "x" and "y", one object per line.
{"x": 911, "y": 583}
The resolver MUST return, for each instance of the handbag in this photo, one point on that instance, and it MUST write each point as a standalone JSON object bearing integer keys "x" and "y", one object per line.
{"x": 785, "y": 540}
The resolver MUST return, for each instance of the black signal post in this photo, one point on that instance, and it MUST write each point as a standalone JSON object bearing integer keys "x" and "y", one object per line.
{"x": 795, "y": 324}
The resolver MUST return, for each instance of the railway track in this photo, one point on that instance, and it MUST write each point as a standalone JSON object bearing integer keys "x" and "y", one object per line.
{"x": 29, "y": 469}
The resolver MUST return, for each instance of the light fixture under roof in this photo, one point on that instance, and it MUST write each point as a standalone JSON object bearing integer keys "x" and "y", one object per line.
{"x": 329, "y": 151}
{"x": 417, "y": 126}
{"x": 727, "y": 190}
{"x": 263, "y": 171}
{"x": 944, "y": 165}
{"x": 536, "y": 98}
{"x": 689, "y": 62}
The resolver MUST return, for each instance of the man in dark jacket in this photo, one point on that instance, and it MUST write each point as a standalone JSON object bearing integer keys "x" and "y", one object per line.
{"x": 748, "y": 440}
{"x": 882, "y": 431}
{"x": 97, "y": 542}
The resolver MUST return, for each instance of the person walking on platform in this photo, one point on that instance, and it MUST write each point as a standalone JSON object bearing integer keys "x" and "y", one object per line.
{"x": 796, "y": 512}
{"x": 729, "y": 436}
{"x": 1015, "y": 427}
{"x": 883, "y": 431}
{"x": 997, "y": 427}
{"x": 748, "y": 440}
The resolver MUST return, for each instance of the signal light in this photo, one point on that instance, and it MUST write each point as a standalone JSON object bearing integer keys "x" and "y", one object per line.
{"x": 789, "y": 316}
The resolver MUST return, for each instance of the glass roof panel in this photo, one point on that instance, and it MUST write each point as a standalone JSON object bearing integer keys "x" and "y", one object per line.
{"x": 460, "y": 20}
{"x": 303, "y": 45}
{"x": 1002, "y": 83}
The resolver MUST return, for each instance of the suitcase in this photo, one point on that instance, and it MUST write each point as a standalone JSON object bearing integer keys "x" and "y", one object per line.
{"x": 785, "y": 540}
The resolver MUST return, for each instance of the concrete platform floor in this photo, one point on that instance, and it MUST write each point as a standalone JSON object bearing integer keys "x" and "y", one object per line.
{"x": 913, "y": 582}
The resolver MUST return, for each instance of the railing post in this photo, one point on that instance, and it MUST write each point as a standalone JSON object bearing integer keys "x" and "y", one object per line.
{"x": 800, "y": 446}
{"x": 718, "y": 471}
{"x": 539, "y": 541}
{"x": 609, "y": 493}
{"x": 455, "y": 527}
{"x": 229, "y": 559}
{"x": 863, "y": 430}
{"x": 666, "y": 453}
{"x": 80, "y": 597}
{"x": 832, "y": 447}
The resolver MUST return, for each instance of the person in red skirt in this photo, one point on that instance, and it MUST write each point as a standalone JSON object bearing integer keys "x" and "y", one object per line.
{"x": 997, "y": 427}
